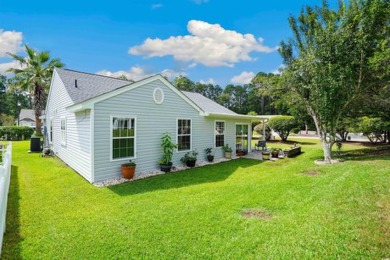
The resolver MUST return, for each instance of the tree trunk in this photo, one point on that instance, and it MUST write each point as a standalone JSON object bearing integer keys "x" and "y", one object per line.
{"x": 326, "y": 145}
{"x": 327, "y": 148}
{"x": 38, "y": 106}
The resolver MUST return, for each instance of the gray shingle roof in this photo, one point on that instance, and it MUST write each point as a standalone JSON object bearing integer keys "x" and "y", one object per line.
{"x": 27, "y": 115}
{"x": 93, "y": 85}
{"x": 88, "y": 85}
{"x": 207, "y": 104}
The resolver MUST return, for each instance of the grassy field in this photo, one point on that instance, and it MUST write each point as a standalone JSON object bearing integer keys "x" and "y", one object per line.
{"x": 238, "y": 209}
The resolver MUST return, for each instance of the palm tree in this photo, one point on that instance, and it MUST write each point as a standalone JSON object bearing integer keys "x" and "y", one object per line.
{"x": 34, "y": 76}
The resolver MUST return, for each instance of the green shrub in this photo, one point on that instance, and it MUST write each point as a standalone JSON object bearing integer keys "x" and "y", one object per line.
{"x": 16, "y": 132}
{"x": 373, "y": 127}
{"x": 282, "y": 125}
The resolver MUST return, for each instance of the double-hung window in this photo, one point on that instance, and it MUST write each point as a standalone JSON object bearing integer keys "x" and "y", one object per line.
{"x": 183, "y": 134}
{"x": 219, "y": 133}
{"x": 63, "y": 131}
{"x": 123, "y": 137}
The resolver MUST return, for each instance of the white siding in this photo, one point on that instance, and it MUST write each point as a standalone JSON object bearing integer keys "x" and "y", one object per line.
{"x": 76, "y": 153}
{"x": 152, "y": 121}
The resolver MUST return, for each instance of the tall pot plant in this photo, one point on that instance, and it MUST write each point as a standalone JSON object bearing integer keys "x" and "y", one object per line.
{"x": 168, "y": 147}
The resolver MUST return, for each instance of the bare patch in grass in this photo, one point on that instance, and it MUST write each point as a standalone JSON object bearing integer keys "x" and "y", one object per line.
{"x": 311, "y": 173}
{"x": 256, "y": 214}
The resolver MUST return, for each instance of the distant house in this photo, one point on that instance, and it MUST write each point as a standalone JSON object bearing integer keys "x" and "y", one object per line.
{"x": 26, "y": 118}
{"x": 84, "y": 112}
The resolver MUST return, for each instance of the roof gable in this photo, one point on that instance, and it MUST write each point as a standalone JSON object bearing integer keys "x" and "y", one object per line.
{"x": 27, "y": 114}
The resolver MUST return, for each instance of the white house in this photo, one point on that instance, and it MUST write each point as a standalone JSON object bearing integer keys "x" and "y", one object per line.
{"x": 26, "y": 118}
{"x": 84, "y": 112}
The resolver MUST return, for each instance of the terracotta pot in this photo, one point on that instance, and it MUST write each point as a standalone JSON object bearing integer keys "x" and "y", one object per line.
{"x": 128, "y": 171}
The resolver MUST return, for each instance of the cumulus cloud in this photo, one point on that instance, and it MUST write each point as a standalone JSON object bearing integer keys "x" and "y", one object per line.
{"x": 10, "y": 41}
{"x": 8, "y": 65}
{"x": 209, "y": 81}
{"x": 137, "y": 73}
{"x": 207, "y": 44}
{"x": 244, "y": 78}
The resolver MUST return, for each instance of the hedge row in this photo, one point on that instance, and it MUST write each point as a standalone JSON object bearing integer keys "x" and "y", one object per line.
{"x": 16, "y": 132}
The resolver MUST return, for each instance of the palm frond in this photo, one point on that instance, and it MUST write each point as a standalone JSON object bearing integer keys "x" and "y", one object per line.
{"x": 44, "y": 56}
{"x": 18, "y": 58}
{"x": 30, "y": 52}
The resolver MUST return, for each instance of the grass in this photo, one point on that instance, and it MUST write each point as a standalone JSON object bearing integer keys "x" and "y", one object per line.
{"x": 342, "y": 212}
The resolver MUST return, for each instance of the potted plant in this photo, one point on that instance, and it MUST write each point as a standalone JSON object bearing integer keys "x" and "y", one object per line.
{"x": 265, "y": 154}
{"x": 189, "y": 158}
{"x": 275, "y": 153}
{"x": 168, "y": 147}
{"x": 209, "y": 154}
{"x": 128, "y": 169}
{"x": 228, "y": 151}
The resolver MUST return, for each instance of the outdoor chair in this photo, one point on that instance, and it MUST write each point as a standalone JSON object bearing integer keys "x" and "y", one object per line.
{"x": 262, "y": 145}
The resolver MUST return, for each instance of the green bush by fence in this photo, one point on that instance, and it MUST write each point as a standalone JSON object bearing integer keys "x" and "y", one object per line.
{"x": 16, "y": 132}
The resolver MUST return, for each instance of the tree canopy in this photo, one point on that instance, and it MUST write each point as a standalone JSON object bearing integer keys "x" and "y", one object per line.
{"x": 34, "y": 76}
{"x": 330, "y": 62}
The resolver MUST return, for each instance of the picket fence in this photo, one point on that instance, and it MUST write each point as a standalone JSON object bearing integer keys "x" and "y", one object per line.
{"x": 5, "y": 176}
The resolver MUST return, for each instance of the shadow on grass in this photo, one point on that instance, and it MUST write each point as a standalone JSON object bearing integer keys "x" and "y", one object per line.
{"x": 12, "y": 238}
{"x": 291, "y": 142}
{"x": 382, "y": 153}
{"x": 206, "y": 174}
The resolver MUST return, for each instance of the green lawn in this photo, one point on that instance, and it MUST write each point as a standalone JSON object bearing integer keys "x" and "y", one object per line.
{"x": 342, "y": 212}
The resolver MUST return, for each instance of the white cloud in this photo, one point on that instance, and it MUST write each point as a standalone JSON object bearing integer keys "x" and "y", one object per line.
{"x": 207, "y": 44}
{"x": 10, "y": 41}
{"x": 209, "y": 81}
{"x": 156, "y": 6}
{"x": 8, "y": 65}
{"x": 279, "y": 69}
{"x": 199, "y": 2}
{"x": 244, "y": 78}
{"x": 137, "y": 73}
{"x": 171, "y": 74}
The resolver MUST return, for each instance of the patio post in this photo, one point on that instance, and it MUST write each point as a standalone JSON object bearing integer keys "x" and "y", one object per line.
{"x": 263, "y": 129}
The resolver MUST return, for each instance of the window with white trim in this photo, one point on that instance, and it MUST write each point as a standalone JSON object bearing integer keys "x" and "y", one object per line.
{"x": 63, "y": 131}
{"x": 183, "y": 134}
{"x": 123, "y": 137}
{"x": 219, "y": 133}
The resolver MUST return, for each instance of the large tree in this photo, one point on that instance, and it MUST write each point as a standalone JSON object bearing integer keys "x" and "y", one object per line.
{"x": 34, "y": 76}
{"x": 329, "y": 60}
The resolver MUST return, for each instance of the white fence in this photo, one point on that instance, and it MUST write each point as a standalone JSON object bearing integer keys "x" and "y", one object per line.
{"x": 5, "y": 176}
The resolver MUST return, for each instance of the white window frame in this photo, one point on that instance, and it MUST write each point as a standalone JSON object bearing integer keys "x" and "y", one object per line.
{"x": 111, "y": 138}
{"x": 215, "y": 134}
{"x": 63, "y": 132}
{"x": 249, "y": 134}
{"x": 177, "y": 134}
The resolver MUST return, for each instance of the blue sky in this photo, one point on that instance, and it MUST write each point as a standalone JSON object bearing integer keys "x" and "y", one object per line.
{"x": 211, "y": 41}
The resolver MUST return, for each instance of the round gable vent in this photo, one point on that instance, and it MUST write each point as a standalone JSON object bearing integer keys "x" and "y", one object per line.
{"x": 158, "y": 95}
